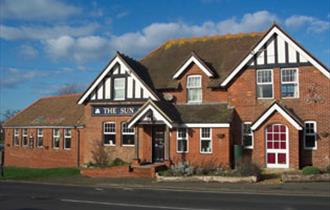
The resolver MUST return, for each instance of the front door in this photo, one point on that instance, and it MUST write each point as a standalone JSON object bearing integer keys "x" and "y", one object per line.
{"x": 277, "y": 146}
{"x": 158, "y": 138}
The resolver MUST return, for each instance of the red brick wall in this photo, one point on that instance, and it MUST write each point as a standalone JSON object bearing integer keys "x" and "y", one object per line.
{"x": 45, "y": 157}
{"x": 145, "y": 143}
{"x": 209, "y": 95}
{"x": 93, "y": 133}
{"x": 242, "y": 95}
{"x": 221, "y": 148}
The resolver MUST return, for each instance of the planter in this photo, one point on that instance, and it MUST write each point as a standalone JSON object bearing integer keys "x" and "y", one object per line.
{"x": 305, "y": 178}
{"x": 220, "y": 179}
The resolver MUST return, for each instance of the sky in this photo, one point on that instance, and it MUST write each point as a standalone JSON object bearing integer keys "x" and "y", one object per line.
{"x": 46, "y": 45}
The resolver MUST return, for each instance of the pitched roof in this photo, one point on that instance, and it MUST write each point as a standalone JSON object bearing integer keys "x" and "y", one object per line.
{"x": 220, "y": 53}
{"x": 50, "y": 111}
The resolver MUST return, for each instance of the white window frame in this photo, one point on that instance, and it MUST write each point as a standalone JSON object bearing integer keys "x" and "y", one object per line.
{"x": 67, "y": 136}
{"x": 205, "y": 139}
{"x": 187, "y": 88}
{"x": 40, "y": 136}
{"x": 56, "y": 136}
{"x": 109, "y": 133}
{"x": 123, "y": 132}
{"x": 314, "y": 134}
{"x": 116, "y": 88}
{"x": 26, "y": 136}
{"x": 181, "y": 139}
{"x": 294, "y": 83}
{"x": 265, "y": 83}
{"x": 245, "y": 134}
{"x": 16, "y": 135}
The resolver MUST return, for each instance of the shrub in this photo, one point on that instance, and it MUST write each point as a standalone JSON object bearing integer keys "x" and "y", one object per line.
{"x": 308, "y": 170}
{"x": 327, "y": 169}
{"x": 118, "y": 162}
{"x": 99, "y": 155}
{"x": 246, "y": 168}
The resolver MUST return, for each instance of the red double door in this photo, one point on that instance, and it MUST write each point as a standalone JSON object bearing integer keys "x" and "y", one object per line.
{"x": 277, "y": 151}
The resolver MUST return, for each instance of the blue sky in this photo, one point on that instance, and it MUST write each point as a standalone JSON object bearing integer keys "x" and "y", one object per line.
{"x": 46, "y": 44}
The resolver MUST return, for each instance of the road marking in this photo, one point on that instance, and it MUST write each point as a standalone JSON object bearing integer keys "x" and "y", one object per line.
{"x": 129, "y": 205}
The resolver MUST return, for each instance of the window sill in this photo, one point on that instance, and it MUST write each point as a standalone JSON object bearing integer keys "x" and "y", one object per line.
{"x": 310, "y": 148}
{"x": 265, "y": 98}
{"x": 128, "y": 145}
{"x": 289, "y": 97}
{"x": 109, "y": 145}
{"x": 67, "y": 149}
{"x": 206, "y": 153}
{"x": 181, "y": 152}
{"x": 250, "y": 147}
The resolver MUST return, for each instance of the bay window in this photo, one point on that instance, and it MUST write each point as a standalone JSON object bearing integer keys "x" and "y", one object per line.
{"x": 127, "y": 135}
{"x": 310, "y": 135}
{"x": 109, "y": 134}
{"x": 182, "y": 140}
{"x": 119, "y": 89}
{"x": 67, "y": 138}
{"x": 206, "y": 140}
{"x": 247, "y": 136}
{"x": 194, "y": 89}
{"x": 265, "y": 83}
{"x": 56, "y": 138}
{"x": 289, "y": 83}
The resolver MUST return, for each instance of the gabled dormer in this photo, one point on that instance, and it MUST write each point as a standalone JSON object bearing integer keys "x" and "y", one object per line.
{"x": 120, "y": 80}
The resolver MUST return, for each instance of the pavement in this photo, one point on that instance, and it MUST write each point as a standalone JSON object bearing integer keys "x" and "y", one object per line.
{"x": 28, "y": 196}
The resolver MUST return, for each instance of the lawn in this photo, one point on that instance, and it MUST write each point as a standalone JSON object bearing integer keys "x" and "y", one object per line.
{"x": 14, "y": 173}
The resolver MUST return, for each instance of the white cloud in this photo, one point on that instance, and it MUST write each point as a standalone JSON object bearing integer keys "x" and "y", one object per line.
{"x": 81, "y": 49}
{"x": 14, "y": 77}
{"x": 312, "y": 24}
{"x": 28, "y": 52}
{"x": 40, "y": 10}
{"x": 40, "y": 32}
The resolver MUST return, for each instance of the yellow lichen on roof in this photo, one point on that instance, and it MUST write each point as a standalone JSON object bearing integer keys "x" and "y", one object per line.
{"x": 180, "y": 41}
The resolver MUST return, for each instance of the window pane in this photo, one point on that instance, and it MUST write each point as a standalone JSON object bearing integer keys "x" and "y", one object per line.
{"x": 194, "y": 94}
{"x": 182, "y": 133}
{"x": 247, "y": 141}
{"x": 310, "y": 141}
{"x": 128, "y": 139}
{"x": 67, "y": 143}
{"x": 182, "y": 145}
{"x": 194, "y": 81}
{"x": 40, "y": 142}
{"x": 206, "y": 146}
{"x": 119, "y": 88}
{"x": 206, "y": 133}
{"x": 109, "y": 128}
{"x": 265, "y": 91}
{"x": 109, "y": 139}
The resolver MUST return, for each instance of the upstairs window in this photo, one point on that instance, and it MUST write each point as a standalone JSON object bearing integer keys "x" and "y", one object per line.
{"x": 56, "y": 138}
{"x": 127, "y": 135}
{"x": 182, "y": 140}
{"x": 310, "y": 135}
{"x": 25, "y": 137}
{"x": 67, "y": 138}
{"x": 289, "y": 83}
{"x": 206, "y": 140}
{"x": 109, "y": 134}
{"x": 40, "y": 137}
{"x": 265, "y": 83}
{"x": 119, "y": 89}
{"x": 247, "y": 136}
{"x": 194, "y": 89}
{"x": 16, "y": 137}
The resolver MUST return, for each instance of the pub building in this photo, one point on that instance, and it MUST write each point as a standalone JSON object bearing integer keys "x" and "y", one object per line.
{"x": 189, "y": 100}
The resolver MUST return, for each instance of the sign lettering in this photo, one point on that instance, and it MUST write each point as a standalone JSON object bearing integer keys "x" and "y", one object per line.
{"x": 114, "y": 110}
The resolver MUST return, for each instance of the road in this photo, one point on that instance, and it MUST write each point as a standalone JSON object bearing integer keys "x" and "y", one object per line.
{"x": 19, "y": 196}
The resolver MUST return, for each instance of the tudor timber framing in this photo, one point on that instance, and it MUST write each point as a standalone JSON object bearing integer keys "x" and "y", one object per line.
{"x": 117, "y": 59}
{"x": 276, "y": 30}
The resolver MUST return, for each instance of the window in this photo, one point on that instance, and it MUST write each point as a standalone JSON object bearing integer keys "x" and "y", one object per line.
{"x": 24, "y": 137}
{"x": 56, "y": 138}
{"x": 40, "y": 137}
{"x": 310, "y": 135}
{"x": 247, "y": 135}
{"x": 265, "y": 83}
{"x": 194, "y": 89}
{"x": 127, "y": 134}
{"x": 289, "y": 83}
{"x": 182, "y": 140}
{"x": 16, "y": 137}
{"x": 31, "y": 141}
{"x": 109, "y": 132}
{"x": 67, "y": 138}
{"x": 206, "y": 140}
{"x": 119, "y": 89}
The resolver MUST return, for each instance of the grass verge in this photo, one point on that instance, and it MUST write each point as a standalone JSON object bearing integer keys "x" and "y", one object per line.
{"x": 14, "y": 173}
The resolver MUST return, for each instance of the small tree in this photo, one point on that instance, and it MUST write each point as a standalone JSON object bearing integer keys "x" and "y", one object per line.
{"x": 68, "y": 89}
{"x": 100, "y": 156}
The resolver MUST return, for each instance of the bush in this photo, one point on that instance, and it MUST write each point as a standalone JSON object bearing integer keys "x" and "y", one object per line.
{"x": 118, "y": 162}
{"x": 327, "y": 169}
{"x": 308, "y": 170}
{"x": 99, "y": 155}
{"x": 247, "y": 168}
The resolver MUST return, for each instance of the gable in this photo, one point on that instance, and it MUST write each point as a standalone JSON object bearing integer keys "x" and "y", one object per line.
{"x": 277, "y": 49}
{"x": 193, "y": 59}
{"x": 102, "y": 87}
